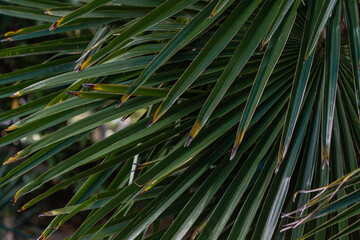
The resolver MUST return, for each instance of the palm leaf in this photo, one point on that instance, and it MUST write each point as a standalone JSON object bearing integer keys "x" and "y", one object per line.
{"x": 272, "y": 84}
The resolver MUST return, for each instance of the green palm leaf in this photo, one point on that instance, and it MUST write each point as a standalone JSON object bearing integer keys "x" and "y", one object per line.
{"x": 271, "y": 84}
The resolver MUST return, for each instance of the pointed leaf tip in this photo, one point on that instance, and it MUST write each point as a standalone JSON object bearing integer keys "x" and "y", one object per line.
{"x": 122, "y": 100}
{"x": 323, "y": 164}
{"x": 150, "y": 123}
{"x": 125, "y": 117}
{"x": 239, "y": 138}
{"x": 295, "y": 195}
{"x": 282, "y": 153}
{"x": 188, "y": 141}
{"x": 194, "y": 132}
{"x": 14, "y": 158}
{"x": 6, "y": 40}
{"x": 280, "y": 160}
{"x": 77, "y": 68}
{"x": 156, "y": 116}
{"x": 88, "y": 85}
{"x": 46, "y": 214}
{"x": 14, "y": 199}
{"x": 233, "y": 152}
{"x": 20, "y": 209}
{"x": 72, "y": 93}
{"x": 17, "y": 94}
{"x": 118, "y": 104}
{"x": 55, "y": 25}
{"x": 11, "y": 128}
{"x": 277, "y": 168}
{"x": 82, "y": 66}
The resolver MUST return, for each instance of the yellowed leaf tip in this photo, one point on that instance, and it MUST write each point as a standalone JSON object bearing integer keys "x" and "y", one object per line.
{"x": 280, "y": 159}
{"x": 17, "y": 94}
{"x": 122, "y": 100}
{"x": 323, "y": 163}
{"x": 144, "y": 191}
{"x": 327, "y": 155}
{"x": 196, "y": 233}
{"x": 47, "y": 12}
{"x": 156, "y": 116}
{"x": 42, "y": 237}
{"x": 21, "y": 209}
{"x": 11, "y": 128}
{"x": 194, "y": 131}
{"x": 83, "y": 65}
{"x": 262, "y": 45}
{"x": 240, "y": 137}
{"x": 142, "y": 167}
{"x": 238, "y": 140}
{"x": 12, "y": 159}
{"x": 47, "y": 214}
{"x": 306, "y": 58}
{"x": 54, "y": 26}
{"x": 15, "y": 198}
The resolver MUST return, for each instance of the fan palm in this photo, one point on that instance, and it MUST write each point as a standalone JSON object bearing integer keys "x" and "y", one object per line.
{"x": 239, "y": 104}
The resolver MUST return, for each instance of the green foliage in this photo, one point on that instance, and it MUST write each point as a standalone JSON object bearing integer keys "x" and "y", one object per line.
{"x": 235, "y": 106}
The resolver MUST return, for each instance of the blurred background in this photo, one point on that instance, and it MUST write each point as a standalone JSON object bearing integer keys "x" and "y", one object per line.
{"x": 28, "y": 224}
